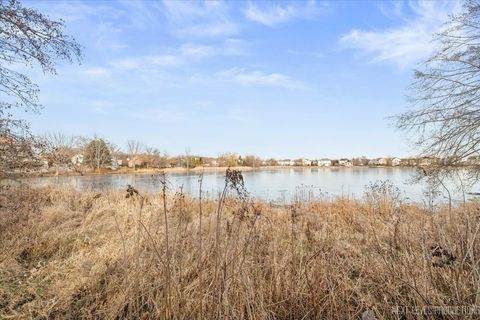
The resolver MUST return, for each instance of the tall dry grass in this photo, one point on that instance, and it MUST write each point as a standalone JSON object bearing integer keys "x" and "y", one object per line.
{"x": 66, "y": 254}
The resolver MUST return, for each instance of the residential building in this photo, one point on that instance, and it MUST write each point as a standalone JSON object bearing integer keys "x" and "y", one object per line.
{"x": 345, "y": 162}
{"x": 286, "y": 162}
{"x": 136, "y": 161}
{"x": 306, "y": 162}
{"x": 396, "y": 162}
{"x": 77, "y": 159}
{"x": 382, "y": 161}
{"x": 324, "y": 162}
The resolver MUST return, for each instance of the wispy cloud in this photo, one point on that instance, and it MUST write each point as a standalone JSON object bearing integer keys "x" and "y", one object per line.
{"x": 408, "y": 43}
{"x": 77, "y": 10}
{"x": 275, "y": 14}
{"x": 184, "y": 54}
{"x": 228, "y": 47}
{"x": 146, "y": 62}
{"x": 140, "y": 14}
{"x": 260, "y": 78}
{"x": 162, "y": 114}
{"x": 312, "y": 54}
{"x": 195, "y": 18}
{"x": 96, "y": 72}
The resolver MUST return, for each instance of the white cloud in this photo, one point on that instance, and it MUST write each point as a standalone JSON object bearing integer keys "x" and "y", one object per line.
{"x": 96, "y": 72}
{"x": 162, "y": 114}
{"x": 229, "y": 47}
{"x": 76, "y": 10}
{"x": 197, "y": 51}
{"x": 312, "y": 53}
{"x": 163, "y": 60}
{"x": 260, "y": 78}
{"x": 146, "y": 62}
{"x": 184, "y": 54}
{"x": 139, "y": 14}
{"x": 272, "y": 15}
{"x": 195, "y": 18}
{"x": 406, "y": 44}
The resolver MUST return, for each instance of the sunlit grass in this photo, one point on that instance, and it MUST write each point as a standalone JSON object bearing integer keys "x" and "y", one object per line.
{"x": 69, "y": 254}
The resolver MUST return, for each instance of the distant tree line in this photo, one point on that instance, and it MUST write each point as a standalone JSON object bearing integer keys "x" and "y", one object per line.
{"x": 63, "y": 153}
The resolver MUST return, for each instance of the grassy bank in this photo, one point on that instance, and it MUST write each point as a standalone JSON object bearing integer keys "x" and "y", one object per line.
{"x": 123, "y": 255}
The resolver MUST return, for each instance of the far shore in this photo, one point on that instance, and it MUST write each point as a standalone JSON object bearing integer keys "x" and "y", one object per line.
{"x": 199, "y": 169}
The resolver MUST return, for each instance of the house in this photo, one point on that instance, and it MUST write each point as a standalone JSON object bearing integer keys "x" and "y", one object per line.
{"x": 409, "y": 162}
{"x": 396, "y": 162}
{"x": 360, "y": 161}
{"x": 306, "y": 162}
{"x": 324, "y": 162}
{"x": 117, "y": 162}
{"x": 286, "y": 162}
{"x": 77, "y": 159}
{"x": 426, "y": 161}
{"x": 378, "y": 162}
{"x": 345, "y": 162}
{"x": 382, "y": 161}
{"x": 136, "y": 161}
{"x": 208, "y": 162}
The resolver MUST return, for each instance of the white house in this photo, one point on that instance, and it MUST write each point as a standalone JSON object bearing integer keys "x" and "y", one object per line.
{"x": 426, "y": 161}
{"x": 324, "y": 162}
{"x": 382, "y": 161}
{"x": 306, "y": 162}
{"x": 396, "y": 162}
{"x": 116, "y": 163}
{"x": 345, "y": 162}
{"x": 286, "y": 162}
{"x": 77, "y": 159}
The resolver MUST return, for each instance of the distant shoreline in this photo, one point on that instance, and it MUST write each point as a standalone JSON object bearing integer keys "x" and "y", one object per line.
{"x": 106, "y": 172}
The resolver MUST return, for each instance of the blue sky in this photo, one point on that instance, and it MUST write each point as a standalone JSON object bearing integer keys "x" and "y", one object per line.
{"x": 275, "y": 79}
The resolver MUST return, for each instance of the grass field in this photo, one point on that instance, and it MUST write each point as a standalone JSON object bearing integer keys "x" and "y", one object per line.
{"x": 66, "y": 254}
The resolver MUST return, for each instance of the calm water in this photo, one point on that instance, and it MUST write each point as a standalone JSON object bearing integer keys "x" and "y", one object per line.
{"x": 279, "y": 185}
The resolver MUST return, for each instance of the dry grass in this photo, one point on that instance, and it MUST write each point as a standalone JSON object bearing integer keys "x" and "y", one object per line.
{"x": 71, "y": 255}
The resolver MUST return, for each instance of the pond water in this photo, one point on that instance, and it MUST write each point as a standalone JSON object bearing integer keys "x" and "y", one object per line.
{"x": 278, "y": 185}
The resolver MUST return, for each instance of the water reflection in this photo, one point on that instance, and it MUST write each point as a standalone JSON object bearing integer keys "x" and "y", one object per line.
{"x": 280, "y": 185}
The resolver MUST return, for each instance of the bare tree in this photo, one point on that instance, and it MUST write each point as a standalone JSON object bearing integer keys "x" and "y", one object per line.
{"x": 445, "y": 95}
{"x": 97, "y": 154}
{"x": 163, "y": 159}
{"x": 134, "y": 148}
{"x": 115, "y": 152}
{"x": 272, "y": 162}
{"x": 27, "y": 38}
{"x": 187, "y": 157}
{"x": 252, "y": 161}
{"x": 228, "y": 159}
{"x": 153, "y": 157}
{"x": 58, "y": 150}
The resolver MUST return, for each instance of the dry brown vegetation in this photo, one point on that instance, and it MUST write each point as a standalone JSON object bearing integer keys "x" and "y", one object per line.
{"x": 66, "y": 254}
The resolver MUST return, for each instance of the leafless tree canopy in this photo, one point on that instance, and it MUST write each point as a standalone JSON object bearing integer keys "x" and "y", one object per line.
{"x": 134, "y": 148}
{"x": 97, "y": 154}
{"x": 445, "y": 94}
{"x": 27, "y": 38}
{"x": 58, "y": 149}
